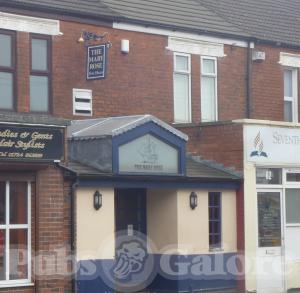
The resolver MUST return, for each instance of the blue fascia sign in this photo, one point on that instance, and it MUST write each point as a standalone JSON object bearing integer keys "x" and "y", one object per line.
{"x": 96, "y": 62}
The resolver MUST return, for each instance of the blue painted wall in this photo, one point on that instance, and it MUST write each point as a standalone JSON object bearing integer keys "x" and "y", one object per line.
{"x": 186, "y": 273}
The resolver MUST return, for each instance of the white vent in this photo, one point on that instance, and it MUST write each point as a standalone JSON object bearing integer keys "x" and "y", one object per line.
{"x": 258, "y": 56}
{"x": 82, "y": 102}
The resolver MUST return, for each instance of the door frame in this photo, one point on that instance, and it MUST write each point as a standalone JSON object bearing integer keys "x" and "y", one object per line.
{"x": 145, "y": 205}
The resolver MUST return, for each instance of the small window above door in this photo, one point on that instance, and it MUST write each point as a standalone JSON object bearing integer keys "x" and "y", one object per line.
{"x": 269, "y": 176}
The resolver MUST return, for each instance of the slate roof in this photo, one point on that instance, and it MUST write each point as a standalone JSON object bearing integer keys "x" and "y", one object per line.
{"x": 30, "y": 118}
{"x": 196, "y": 169}
{"x": 113, "y": 126}
{"x": 269, "y": 20}
{"x": 186, "y": 14}
{"x": 78, "y": 7}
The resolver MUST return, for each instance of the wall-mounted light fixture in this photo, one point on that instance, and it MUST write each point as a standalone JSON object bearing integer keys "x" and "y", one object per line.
{"x": 193, "y": 200}
{"x": 97, "y": 200}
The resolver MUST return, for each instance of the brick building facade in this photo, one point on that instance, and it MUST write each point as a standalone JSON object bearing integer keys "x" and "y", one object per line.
{"x": 40, "y": 39}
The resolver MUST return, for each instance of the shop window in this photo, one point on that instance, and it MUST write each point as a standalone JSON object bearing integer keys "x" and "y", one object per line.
{"x": 269, "y": 176}
{"x": 40, "y": 74}
{"x": 290, "y": 95}
{"x": 7, "y": 70}
{"x": 215, "y": 220}
{"x": 14, "y": 232}
{"x": 82, "y": 102}
{"x": 292, "y": 205}
{"x": 182, "y": 88}
{"x": 209, "y": 89}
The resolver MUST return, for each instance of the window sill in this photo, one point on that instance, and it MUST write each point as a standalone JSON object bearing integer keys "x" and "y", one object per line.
{"x": 216, "y": 249}
{"x": 13, "y": 285}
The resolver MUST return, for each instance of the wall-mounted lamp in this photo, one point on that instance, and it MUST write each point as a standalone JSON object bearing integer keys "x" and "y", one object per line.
{"x": 193, "y": 200}
{"x": 89, "y": 36}
{"x": 97, "y": 200}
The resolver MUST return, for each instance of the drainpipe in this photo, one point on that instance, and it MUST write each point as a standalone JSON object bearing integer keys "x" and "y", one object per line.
{"x": 249, "y": 81}
{"x": 72, "y": 219}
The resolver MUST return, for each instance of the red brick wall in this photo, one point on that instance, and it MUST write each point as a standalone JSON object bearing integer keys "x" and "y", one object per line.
{"x": 142, "y": 81}
{"x": 232, "y": 84}
{"x": 222, "y": 143}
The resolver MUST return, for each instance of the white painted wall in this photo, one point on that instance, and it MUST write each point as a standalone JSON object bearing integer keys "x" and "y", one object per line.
{"x": 95, "y": 237}
{"x": 250, "y": 210}
{"x": 171, "y": 221}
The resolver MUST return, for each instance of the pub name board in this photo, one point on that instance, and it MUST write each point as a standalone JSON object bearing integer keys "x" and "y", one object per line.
{"x": 31, "y": 143}
{"x": 96, "y": 62}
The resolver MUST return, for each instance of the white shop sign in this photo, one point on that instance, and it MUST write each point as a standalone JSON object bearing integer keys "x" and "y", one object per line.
{"x": 267, "y": 144}
{"x": 148, "y": 154}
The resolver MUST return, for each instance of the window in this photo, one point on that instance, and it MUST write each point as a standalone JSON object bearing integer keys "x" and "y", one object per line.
{"x": 215, "y": 221}
{"x": 292, "y": 198}
{"x": 7, "y": 70}
{"x": 82, "y": 102}
{"x": 268, "y": 176}
{"x": 15, "y": 231}
{"x": 40, "y": 74}
{"x": 182, "y": 88}
{"x": 290, "y": 95}
{"x": 209, "y": 89}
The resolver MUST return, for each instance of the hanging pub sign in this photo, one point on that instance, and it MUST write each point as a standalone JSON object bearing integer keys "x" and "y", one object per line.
{"x": 96, "y": 62}
{"x": 31, "y": 143}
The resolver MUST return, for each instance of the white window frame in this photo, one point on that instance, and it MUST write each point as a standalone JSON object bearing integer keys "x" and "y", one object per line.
{"x": 294, "y": 98}
{"x": 187, "y": 73}
{"x": 74, "y": 102}
{"x": 215, "y": 76}
{"x": 7, "y": 227}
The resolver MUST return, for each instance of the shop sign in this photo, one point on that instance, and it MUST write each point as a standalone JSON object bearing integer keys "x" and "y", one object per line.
{"x": 148, "y": 154}
{"x": 31, "y": 143}
{"x": 276, "y": 145}
{"x": 96, "y": 62}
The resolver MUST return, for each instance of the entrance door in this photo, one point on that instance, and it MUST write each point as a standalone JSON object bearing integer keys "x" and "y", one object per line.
{"x": 270, "y": 264}
{"x": 131, "y": 243}
{"x": 130, "y": 210}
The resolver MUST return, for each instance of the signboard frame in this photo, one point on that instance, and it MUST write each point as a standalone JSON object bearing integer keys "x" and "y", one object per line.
{"x": 102, "y": 73}
{"x": 31, "y": 144}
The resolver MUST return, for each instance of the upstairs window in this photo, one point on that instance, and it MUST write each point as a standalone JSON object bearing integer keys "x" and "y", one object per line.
{"x": 290, "y": 95}
{"x": 40, "y": 74}
{"x": 182, "y": 88}
{"x": 7, "y": 70}
{"x": 215, "y": 220}
{"x": 209, "y": 89}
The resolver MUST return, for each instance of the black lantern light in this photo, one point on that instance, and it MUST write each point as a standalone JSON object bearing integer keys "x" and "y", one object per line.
{"x": 193, "y": 200}
{"x": 97, "y": 200}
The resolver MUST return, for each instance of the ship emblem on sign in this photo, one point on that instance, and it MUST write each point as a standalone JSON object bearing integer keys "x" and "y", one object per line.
{"x": 148, "y": 152}
{"x": 258, "y": 147}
